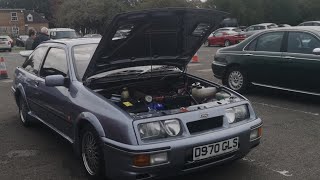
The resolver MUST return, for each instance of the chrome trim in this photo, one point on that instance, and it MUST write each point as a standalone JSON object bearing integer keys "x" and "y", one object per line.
{"x": 286, "y": 89}
{"x": 257, "y": 55}
{"x": 51, "y": 127}
{"x": 218, "y": 64}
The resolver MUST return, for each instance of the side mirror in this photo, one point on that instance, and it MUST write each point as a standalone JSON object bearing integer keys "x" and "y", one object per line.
{"x": 55, "y": 80}
{"x": 316, "y": 51}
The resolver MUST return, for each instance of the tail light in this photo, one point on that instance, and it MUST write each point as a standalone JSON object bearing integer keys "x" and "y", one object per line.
{"x": 9, "y": 43}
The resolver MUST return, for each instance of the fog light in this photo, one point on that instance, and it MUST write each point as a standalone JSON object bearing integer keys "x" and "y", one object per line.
{"x": 141, "y": 160}
{"x": 255, "y": 133}
{"x": 159, "y": 158}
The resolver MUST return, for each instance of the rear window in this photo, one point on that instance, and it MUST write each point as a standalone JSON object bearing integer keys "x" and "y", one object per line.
{"x": 3, "y": 39}
{"x": 82, "y": 55}
{"x": 63, "y": 34}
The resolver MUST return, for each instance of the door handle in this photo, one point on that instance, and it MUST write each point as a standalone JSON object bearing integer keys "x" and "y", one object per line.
{"x": 248, "y": 54}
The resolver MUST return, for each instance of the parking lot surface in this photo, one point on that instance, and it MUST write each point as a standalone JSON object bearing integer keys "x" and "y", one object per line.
{"x": 290, "y": 148}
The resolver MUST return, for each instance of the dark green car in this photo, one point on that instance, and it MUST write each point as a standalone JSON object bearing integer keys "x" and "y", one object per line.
{"x": 285, "y": 58}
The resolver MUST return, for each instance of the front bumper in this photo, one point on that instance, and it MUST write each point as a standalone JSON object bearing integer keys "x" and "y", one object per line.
{"x": 119, "y": 157}
{"x": 218, "y": 69}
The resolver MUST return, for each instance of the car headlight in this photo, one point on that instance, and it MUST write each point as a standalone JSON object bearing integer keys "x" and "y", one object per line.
{"x": 159, "y": 129}
{"x": 237, "y": 114}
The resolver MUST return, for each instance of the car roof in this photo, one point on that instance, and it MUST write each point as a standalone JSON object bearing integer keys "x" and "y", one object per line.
{"x": 61, "y": 29}
{"x": 311, "y": 22}
{"x": 266, "y": 24}
{"x": 4, "y": 37}
{"x": 315, "y": 29}
{"x": 230, "y": 28}
{"x": 76, "y": 41}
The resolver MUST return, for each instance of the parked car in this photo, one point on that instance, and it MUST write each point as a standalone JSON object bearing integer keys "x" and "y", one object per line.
{"x": 133, "y": 103}
{"x": 92, "y": 36}
{"x": 5, "y": 43}
{"x": 21, "y": 40}
{"x": 62, "y": 33}
{"x": 284, "y": 58}
{"x": 310, "y": 23}
{"x": 225, "y": 37}
{"x": 229, "y": 22}
{"x": 258, "y": 28}
{"x": 284, "y": 25}
{"x": 9, "y": 39}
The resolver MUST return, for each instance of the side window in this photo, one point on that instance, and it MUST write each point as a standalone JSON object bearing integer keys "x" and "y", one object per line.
{"x": 270, "y": 42}
{"x": 32, "y": 64}
{"x": 219, "y": 34}
{"x": 308, "y": 24}
{"x": 55, "y": 63}
{"x": 252, "y": 46}
{"x": 259, "y": 27}
{"x": 250, "y": 28}
{"x": 300, "y": 42}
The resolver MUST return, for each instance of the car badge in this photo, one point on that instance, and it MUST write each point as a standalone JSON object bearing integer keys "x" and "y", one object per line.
{"x": 202, "y": 116}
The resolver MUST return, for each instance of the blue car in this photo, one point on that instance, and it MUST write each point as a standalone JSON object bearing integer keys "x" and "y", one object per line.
{"x": 127, "y": 104}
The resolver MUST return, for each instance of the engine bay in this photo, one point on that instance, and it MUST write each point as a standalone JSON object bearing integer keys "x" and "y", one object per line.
{"x": 164, "y": 96}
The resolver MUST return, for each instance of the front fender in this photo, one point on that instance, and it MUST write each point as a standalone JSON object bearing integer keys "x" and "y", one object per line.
{"x": 93, "y": 120}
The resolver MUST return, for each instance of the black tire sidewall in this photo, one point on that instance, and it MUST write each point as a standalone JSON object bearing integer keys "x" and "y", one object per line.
{"x": 101, "y": 173}
{"x": 226, "y": 43}
{"x": 225, "y": 80}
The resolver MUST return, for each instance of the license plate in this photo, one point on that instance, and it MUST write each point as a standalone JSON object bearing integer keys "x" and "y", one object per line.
{"x": 211, "y": 150}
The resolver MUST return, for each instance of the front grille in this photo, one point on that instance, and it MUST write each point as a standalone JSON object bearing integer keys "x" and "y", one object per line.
{"x": 205, "y": 124}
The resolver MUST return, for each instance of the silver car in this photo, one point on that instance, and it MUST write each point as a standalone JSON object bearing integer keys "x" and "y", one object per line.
{"x": 258, "y": 28}
{"x": 5, "y": 43}
{"x": 127, "y": 103}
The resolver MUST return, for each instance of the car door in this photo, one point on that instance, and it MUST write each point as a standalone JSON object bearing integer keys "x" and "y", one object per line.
{"x": 29, "y": 75}
{"x": 55, "y": 100}
{"x": 263, "y": 58}
{"x": 218, "y": 38}
{"x": 301, "y": 67}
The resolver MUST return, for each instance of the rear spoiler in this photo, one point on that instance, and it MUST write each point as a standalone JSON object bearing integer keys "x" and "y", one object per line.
{"x": 26, "y": 53}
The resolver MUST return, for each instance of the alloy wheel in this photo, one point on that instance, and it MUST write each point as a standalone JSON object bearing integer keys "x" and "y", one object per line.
{"x": 236, "y": 80}
{"x": 90, "y": 153}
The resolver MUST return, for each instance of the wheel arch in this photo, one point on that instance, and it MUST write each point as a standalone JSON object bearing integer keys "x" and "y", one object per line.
{"x": 20, "y": 93}
{"x": 83, "y": 120}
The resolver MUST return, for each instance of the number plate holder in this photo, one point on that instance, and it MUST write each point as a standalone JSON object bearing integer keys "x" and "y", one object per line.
{"x": 215, "y": 149}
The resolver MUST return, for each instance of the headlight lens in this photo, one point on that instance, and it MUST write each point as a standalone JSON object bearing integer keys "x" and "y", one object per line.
{"x": 237, "y": 114}
{"x": 172, "y": 127}
{"x": 159, "y": 129}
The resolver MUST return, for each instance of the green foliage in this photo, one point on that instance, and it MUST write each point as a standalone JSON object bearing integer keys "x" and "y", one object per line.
{"x": 95, "y": 14}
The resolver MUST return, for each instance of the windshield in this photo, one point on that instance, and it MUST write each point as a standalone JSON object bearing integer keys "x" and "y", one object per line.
{"x": 82, "y": 55}
{"x": 24, "y": 37}
{"x": 63, "y": 34}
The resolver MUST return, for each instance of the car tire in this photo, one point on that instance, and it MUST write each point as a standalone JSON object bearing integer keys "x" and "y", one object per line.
{"x": 23, "y": 113}
{"x": 236, "y": 79}
{"x": 207, "y": 43}
{"x": 10, "y": 50}
{"x": 91, "y": 153}
{"x": 227, "y": 43}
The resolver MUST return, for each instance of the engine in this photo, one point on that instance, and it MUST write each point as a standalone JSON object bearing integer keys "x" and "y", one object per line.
{"x": 162, "y": 96}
